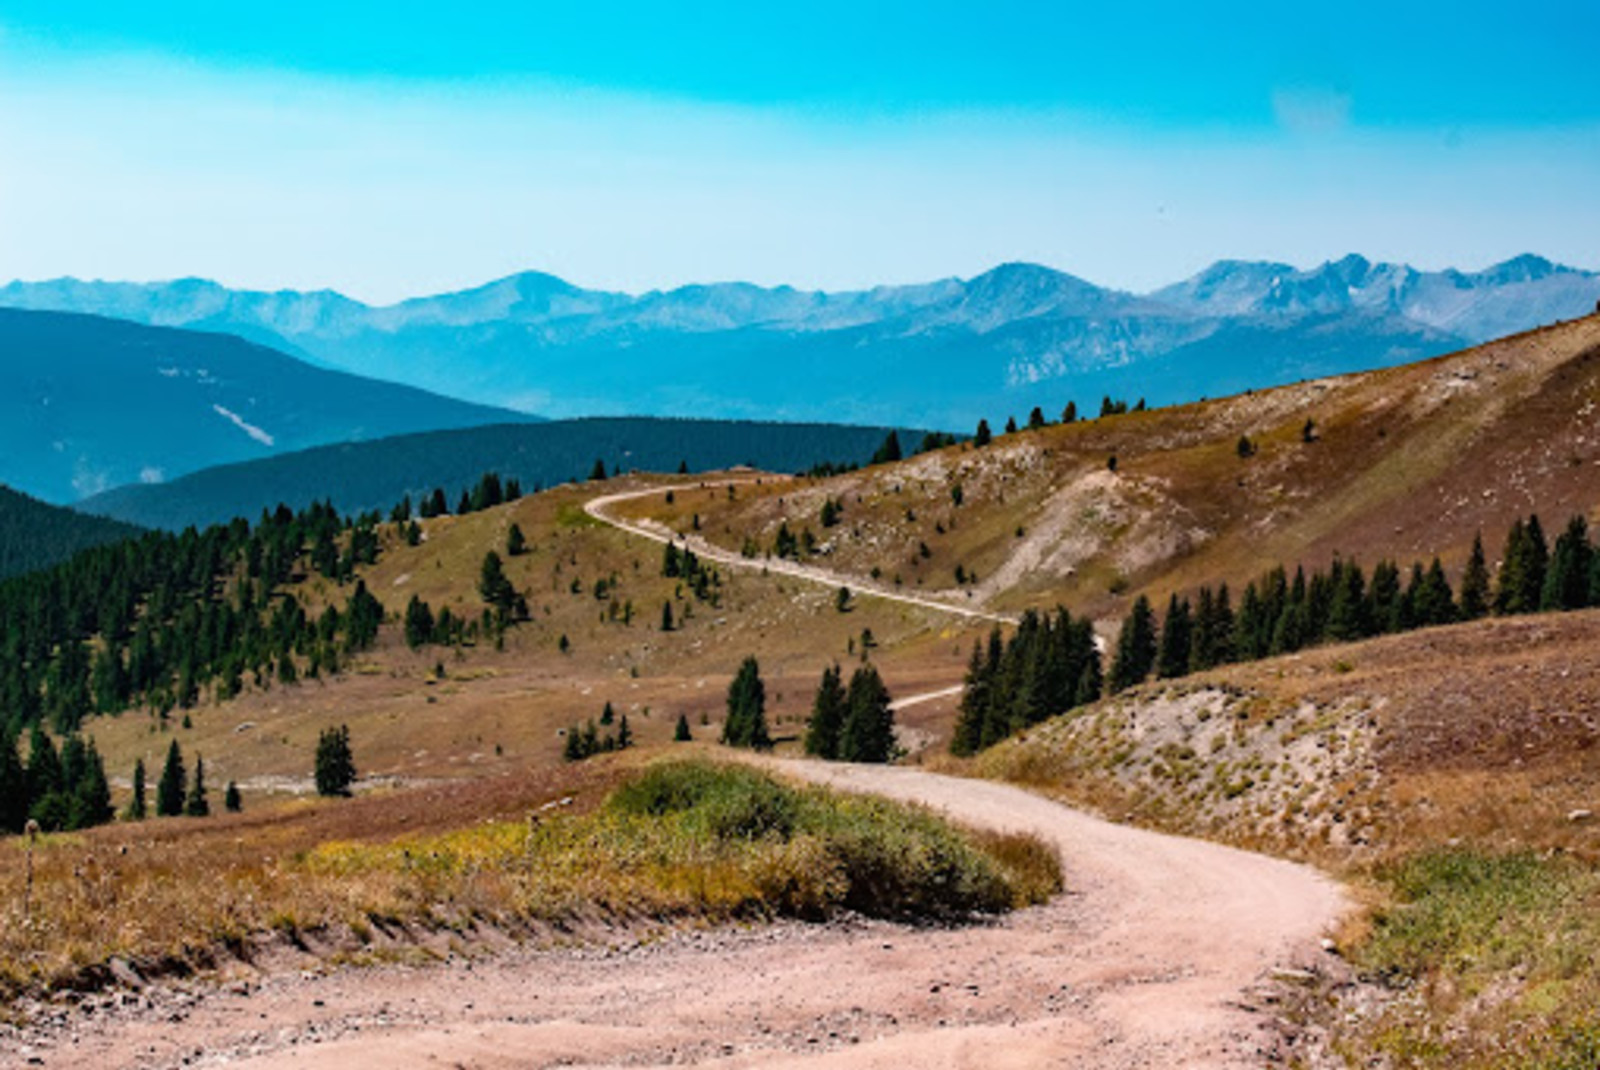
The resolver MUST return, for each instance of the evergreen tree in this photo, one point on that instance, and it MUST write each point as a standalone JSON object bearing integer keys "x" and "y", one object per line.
{"x": 608, "y": 715}
{"x": 13, "y": 785}
{"x": 1136, "y": 647}
{"x": 827, "y": 716}
{"x": 982, "y": 437}
{"x": 1475, "y": 583}
{"x": 493, "y": 585}
{"x": 1434, "y": 602}
{"x": 666, "y": 616}
{"x": 624, "y": 733}
{"x": 868, "y": 731}
{"x": 419, "y": 623}
{"x": 335, "y": 769}
{"x": 1069, "y": 415}
{"x": 231, "y": 799}
{"x": 1521, "y": 581}
{"x": 746, "y": 724}
{"x": 680, "y": 732}
{"x": 196, "y": 804}
{"x": 597, "y": 474}
{"x": 1566, "y": 582}
{"x": 572, "y": 749}
{"x": 1011, "y": 425}
{"x": 516, "y": 544}
{"x": 173, "y": 785}
{"x": 889, "y": 451}
{"x": 1036, "y": 419}
{"x": 1177, "y": 638}
{"x": 137, "y": 806}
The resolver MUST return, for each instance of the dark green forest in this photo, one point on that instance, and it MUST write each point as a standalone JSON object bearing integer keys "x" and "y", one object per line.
{"x": 34, "y": 535}
{"x": 361, "y": 476}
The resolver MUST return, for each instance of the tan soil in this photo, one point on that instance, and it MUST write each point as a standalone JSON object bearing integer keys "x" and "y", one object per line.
{"x": 1156, "y": 957}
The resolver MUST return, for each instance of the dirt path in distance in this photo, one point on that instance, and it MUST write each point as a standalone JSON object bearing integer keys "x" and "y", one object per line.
{"x": 649, "y": 529}
{"x": 1153, "y": 958}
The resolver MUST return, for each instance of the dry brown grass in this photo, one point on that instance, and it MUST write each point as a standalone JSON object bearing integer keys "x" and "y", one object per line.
{"x": 178, "y": 895}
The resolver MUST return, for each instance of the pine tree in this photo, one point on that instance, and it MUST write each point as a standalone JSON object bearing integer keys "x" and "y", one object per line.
{"x": 1475, "y": 583}
{"x": 1036, "y": 419}
{"x": 827, "y": 716}
{"x": 597, "y": 474}
{"x": 13, "y": 785}
{"x": 666, "y": 616}
{"x": 1177, "y": 637}
{"x": 419, "y": 624}
{"x": 746, "y": 724}
{"x": 624, "y": 733}
{"x": 335, "y": 769}
{"x": 516, "y": 544}
{"x": 1069, "y": 415}
{"x": 231, "y": 799}
{"x": 680, "y": 732}
{"x": 1566, "y": 583}
{"x": 493, "y": 585}
{"x": 174, "y": 784}
{"x": 196, "y": 804}
{"x": 136, "y": 803}
{"x": 889, "y": 451}
{"x": 982, "y": 437}
{"x": 868, "y": 731}
{"x": 1136, "y": 647}
{"x": 608, "y": 715}
{"x": 1011, "y": 425}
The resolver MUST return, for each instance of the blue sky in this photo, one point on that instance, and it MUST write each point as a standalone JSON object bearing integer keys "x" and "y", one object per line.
{"x": 393, "y": 149}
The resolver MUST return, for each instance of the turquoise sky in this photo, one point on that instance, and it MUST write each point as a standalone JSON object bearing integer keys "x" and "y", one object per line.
{"x": 391, "y": 149}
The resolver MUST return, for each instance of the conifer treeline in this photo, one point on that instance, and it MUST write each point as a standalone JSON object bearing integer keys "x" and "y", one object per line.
{"x": 1047, "y": 667}
{"x": 156, "y": 619}
{"x": 1279, "y": 615}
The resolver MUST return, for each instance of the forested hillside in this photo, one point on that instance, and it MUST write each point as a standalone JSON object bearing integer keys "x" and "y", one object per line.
{"x": 362, "y": 476}
{"x": 34, "y": 535}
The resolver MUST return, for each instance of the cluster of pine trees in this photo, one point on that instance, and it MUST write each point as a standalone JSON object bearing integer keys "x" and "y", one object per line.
{"x": 61, "y": 790}
{"x": 587, "y": 741}
{"x": 155, "y": 619}
{"x": 1278, "y": 614}
{"x": 489, "y": 492}
{"x": 1047, "y": 667}
{"x": 1037, "y": 419}
{"x": 854, "y": 725}
{"x": 704, "y": 583}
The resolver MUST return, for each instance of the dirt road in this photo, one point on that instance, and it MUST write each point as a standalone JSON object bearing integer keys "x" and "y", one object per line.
{"x": 1150, "y": 960}
{"x": 596, "y": 508}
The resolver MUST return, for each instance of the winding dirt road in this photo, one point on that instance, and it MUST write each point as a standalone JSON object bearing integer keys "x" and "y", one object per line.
{"x": 709, "y": 551}
{"x": 1152, "y": 959}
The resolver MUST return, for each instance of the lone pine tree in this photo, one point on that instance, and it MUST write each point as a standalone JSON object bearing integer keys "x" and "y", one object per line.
{"x": 746, "y": 724}
{"x": 173, "y": 785}
{"x": 335, "y": 769}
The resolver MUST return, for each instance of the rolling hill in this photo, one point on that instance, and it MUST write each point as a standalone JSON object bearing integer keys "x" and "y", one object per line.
{"x": 35, "y": 535}
{"x": 92, "y": 403}
{"x": 363, "y": 476}
{"x": 936, "y": 354}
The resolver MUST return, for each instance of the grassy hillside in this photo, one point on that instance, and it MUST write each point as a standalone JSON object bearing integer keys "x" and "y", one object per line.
{"x": 93, "y": 403}
{"x": 1407, "y": 462}
{"x": 375, "y": 475}
{"x": 34, "y": 535}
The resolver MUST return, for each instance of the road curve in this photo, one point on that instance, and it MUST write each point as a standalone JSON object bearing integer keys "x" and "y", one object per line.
{"x": 596, "y": 508}
{"x": 1152, "y": 959}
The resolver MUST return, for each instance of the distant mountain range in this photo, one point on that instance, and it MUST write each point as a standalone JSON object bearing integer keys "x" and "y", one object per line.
{"x": 940, "y": 354}
{"x": 363, "y": 476}
{"x": 91, "y": 403}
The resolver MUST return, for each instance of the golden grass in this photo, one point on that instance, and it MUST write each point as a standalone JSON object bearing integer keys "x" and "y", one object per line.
{"x": 687, "y": 839}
